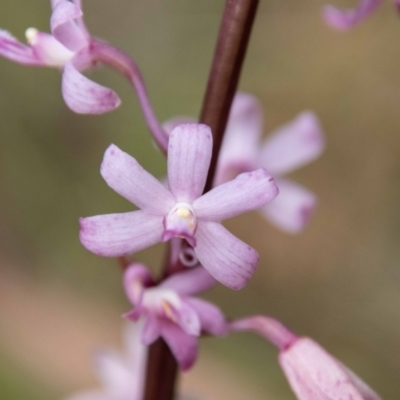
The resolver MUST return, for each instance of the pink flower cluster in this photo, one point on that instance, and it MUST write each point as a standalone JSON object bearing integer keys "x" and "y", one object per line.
{"x": 251, "y": 175}
{"x": 344, "y": 20}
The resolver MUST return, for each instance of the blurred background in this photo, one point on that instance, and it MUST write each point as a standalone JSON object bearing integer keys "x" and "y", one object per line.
{"x": 338, "y": 282}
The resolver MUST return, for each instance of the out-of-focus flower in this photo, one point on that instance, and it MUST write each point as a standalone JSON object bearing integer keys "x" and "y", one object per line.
{"x": 344, "y": 20}
{"x": 285, "y": 150}
{"x": 68, "y": 47}
{"x": 180, "y": 211}
{"x": 122, "y": 375}
{"x": 312, "y": 372}
{"x": 171, "y": 311}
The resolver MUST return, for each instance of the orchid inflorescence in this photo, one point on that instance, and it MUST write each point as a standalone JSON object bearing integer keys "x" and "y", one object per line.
{"x": 249, "y": 176}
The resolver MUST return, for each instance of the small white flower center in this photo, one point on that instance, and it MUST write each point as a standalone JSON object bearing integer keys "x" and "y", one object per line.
{"x": 31, "y": 34}
{"x": 181, "y": 221}
{"x": 162, "y": 302}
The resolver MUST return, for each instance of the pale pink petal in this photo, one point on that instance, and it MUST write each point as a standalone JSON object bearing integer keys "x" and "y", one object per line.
{"x": 292, "y": 209}
{"x": 186, "y": 317}
{"x": 136, "y": 356}
{"x": 240, "y": 144}
{"x": 346, "y": 19}
{"x": 315, "y": 374}
{"x": 91, "y": 395}
{"x": 65, "y": 28}
{"x": 363, "y": 388}
{"x": 189, "y": 282}
{"x": 114, "y": 373}
{"x": 182, "y": 345}
{"x": 116, "y": 235}
{"x": 211, "y": 318}
{"x": 172, "y": 123}
{"x": 228, "y": 259}
{"x": 127, "y": 177}
{"x": 136, "y": 278}
{"x": 249, "y": 191}
{"x": 48, "y": 49}
{"x": 189, "y": 156}
{"x": 293, "y": 145}
{"x": 85, "y": 96}
{"x": 14, "y": 50}
{"x": 152, "y": 330}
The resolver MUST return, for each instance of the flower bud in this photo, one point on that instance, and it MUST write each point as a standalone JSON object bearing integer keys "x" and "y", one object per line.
{"x": 314, "y": 374}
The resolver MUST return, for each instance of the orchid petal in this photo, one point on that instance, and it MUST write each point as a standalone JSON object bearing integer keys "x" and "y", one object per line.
{"x": 64, "y": 27}
{"x": 136, "y": 278}
{"x": 113, "y": 372}
{"x": 189, "y": 156}
{"x": 346, "y": 19}
{"x": 228, "y": 259}
{"x": 172, "y": 123}
{"x": 14, "y": 50}
{"x": 249, "y": 191}
{"x": 363, "y": 388}
{"x": 292, "y": 208}
{"x": 152, "y": 330}
{"x": 137, "y": 355}
{"x": 239, "y": 148}
{"x": 182, "y": 345}
{"x": 48, "y": 49}
{"x": 314, "y": 373}
{"x": 116, "y": 235}
{"x": 211, "y": 318}
{"x": 293, "y": 145}
{"x": 190, "y": 282}
{"x": 84, "y": 96}
{"x": 127, "y": 177}
{"x": 187, "y": 318}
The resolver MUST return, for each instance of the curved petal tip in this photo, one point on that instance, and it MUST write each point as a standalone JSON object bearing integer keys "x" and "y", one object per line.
{"x": 84, "y": 96}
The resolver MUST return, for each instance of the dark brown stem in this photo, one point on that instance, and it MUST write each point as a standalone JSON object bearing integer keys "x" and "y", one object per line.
{"x": 233, "y": 39}
{"x": 225, "y": 72}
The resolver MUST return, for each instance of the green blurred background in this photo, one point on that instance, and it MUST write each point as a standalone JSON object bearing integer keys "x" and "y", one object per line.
{"x": 338, "y": 282}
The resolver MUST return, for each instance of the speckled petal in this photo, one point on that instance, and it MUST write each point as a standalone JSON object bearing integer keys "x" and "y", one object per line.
{"x": 248, "y": 191}
{"x": 127, "y": 177}
{"x": 15, "y": 51}
{"x": 315, "y": 374}
{"x": 116, "y": 235}
{"x": 189, "y": 156}
{"x": 292, "y": 209}
{"x": 239, "y": 148}
{"x": 136, "y": 278}
{"x": 189, "y": 282}
{"x": 182, "y": 345}
{"x": 211, "y": 318}
{"x": 228, "y": 259}
{"x": 84, "y": 96}
{"x": 65, "y": 28}
{"x": 293, "y": 145}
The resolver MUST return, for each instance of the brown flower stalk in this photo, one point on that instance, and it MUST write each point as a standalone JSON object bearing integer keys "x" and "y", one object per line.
{"x": 233, "y": 39}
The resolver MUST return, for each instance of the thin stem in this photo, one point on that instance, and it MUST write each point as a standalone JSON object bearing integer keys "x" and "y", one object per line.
{"x": 117, "y": 59}
{"x": 270, "y": 328}
{"x": 229, "y": 55}
{"x": 233, "y": 39}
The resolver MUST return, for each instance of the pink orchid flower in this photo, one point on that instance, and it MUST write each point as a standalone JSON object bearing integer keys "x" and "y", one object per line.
{"x": 69, "y": 47}
{"x": 122, "y": 375}
{"x": 285, "y": 150}
{"x": 171, "y": 311}
{"x": 312, "y": 372}
{"x": 344, "y": 20}
{"x": 182, "y": 210}
{"x": 288, "y": 148}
